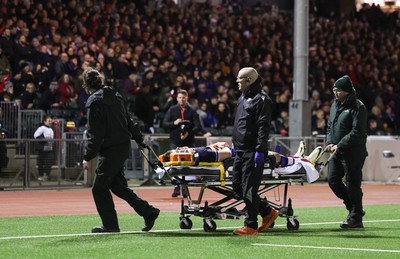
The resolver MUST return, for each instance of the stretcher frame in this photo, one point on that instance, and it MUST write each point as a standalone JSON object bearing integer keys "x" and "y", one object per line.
{"x": 226, "y": 207}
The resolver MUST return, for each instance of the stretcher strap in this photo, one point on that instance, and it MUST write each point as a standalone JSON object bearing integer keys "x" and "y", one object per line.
{"x": 211, "y": 164}
{"x": 222, "y": 174}
{"x": 192, "y": 163}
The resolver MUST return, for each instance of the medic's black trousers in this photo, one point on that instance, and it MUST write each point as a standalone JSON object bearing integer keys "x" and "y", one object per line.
{"x": 246, "y": 179}
{"x": 349, "y": 189}
{"x": 110, "y": 176}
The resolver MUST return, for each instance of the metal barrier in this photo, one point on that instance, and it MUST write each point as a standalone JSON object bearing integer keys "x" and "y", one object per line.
{"x": 57, "y": 163}
{"x": 29, "y": 121}
{"x": 21, "y": 124}
{"x": 42, "y": 164}
{"x": 289, "y": 145}
{"x": 26, "y": 159}
{"x": 10, "y": 116}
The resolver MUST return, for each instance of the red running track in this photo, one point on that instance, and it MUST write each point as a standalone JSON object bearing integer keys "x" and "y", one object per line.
{"x": 80, "y": 201}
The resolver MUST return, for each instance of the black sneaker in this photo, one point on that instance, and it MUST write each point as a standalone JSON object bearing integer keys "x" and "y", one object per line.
{"x": 177, "y": 192}
{"x": 103, "y": 229}
{"x": 352, "y": 223}
{"x": 149, "y": 221}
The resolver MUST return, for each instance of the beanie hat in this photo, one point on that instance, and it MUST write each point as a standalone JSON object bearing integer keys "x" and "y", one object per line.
{"x": 344, "y": 83}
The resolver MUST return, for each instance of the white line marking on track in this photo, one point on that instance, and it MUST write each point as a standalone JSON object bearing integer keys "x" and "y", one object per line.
{"x": 174, "y": 230}
{"x": 330, "y": 248}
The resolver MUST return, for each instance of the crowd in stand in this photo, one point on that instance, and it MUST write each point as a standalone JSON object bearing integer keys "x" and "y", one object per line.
{"x": 150, "y": 49}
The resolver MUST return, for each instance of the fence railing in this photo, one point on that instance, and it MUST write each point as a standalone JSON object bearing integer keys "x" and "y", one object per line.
{"x": 61, "y": 159}
{"x": 31, "y": 163}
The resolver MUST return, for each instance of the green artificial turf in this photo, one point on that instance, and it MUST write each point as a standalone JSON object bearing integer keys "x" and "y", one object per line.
{"x": 319, "y": 236}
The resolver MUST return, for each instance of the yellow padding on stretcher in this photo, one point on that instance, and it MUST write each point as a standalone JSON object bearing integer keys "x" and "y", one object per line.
{"x": 211, "y": 164}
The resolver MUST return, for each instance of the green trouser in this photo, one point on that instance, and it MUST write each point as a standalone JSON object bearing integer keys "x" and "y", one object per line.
{"x": 110, "y": 176}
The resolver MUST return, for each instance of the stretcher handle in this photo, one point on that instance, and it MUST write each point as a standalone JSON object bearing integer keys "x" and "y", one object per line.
{"x": 154, "y": 165}
{"x": 327, "y": 161}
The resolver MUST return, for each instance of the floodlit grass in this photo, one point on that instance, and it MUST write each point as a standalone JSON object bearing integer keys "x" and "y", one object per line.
{"x": 319, "y": 236}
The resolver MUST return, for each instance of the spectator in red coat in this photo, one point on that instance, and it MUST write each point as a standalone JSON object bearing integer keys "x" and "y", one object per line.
{"x": 68, "y": 96}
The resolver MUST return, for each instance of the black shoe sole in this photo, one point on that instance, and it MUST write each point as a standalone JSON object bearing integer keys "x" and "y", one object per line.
{"x": 355, "y": 226}
{"x": 104, "y": 230}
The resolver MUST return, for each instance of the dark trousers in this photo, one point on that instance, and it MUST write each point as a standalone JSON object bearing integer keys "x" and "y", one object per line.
{"x": 45, "y": 160}
{"x": 348, "y": 165}
{"x": 110, "y": 177}
{"x": 246, "y": 179}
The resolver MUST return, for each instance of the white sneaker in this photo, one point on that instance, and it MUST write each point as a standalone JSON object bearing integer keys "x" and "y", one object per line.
{"x": 315, "y": 155}
{"x": 301, "y": 150}
{"x": 43, "y": 178}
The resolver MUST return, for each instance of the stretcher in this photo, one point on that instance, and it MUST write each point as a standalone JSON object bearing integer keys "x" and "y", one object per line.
{"x": 216, "y": 176}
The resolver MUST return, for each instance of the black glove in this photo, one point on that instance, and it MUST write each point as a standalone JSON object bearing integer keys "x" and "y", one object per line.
{"x": 136, "y": 133}
{"x": 142, "y": 145}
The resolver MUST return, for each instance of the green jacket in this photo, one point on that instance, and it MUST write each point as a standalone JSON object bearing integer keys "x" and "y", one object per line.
{"x": 347, "y": 124}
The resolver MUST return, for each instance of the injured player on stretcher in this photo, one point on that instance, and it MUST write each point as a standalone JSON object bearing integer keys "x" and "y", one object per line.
{"x": 218, "y": 152}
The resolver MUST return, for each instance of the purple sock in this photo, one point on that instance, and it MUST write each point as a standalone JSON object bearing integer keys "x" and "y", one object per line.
{"x": 286, "y": 161}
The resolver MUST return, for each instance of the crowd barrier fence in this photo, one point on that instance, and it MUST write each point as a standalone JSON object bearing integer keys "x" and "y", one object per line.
{"x": 22, "y": 168}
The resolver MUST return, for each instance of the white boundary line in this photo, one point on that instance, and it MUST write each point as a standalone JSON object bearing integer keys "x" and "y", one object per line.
{"x": 330, "y": 248}
{"x": 177, "y": 230}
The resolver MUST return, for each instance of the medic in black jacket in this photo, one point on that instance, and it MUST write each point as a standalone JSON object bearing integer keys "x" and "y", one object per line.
{"x": 250, "y": 143}
{"x": 110, "y": 130}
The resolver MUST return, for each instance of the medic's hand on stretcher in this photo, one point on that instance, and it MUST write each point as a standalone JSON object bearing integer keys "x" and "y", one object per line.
{"x": 233, "y": 150}
{"x": 259, "y": 159}
{"x": 331, "y": 148}
{"x": 142, "y": 145}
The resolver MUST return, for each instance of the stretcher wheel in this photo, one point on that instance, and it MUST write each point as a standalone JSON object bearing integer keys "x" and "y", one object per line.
{"x": 209, "y": 225}
{"x": 185, "y": 223}
{"x": 293, "y": 224}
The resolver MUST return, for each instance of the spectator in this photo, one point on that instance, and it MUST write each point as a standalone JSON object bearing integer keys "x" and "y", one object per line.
{"x": 4, "y": 62}
{"x": 376, "y": 121}
{"x": 145, "y": 108}
{"x": 318, "y": 125}
{"x": 61, "y": 67}
{"x": 45, "y": 158}
{"x": 282, "y": 123}
{"x": 122, "y": 71}
{"x": 222, "y": 116}
{"x": 3, "y": 148}
{"x": 68, "y": 95}
{"x": 29, "y": 98}
{"x": 23, "y": 51}
{"x": 184, "y": 49}
{"x": 208, "y": 119}
{"x": 51, "y": 98}
{"x": 6, "y": 43}
{"x": 22, "y": 79}
{"x": 42, "y": 77}
{"x": 182, "y": 123}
